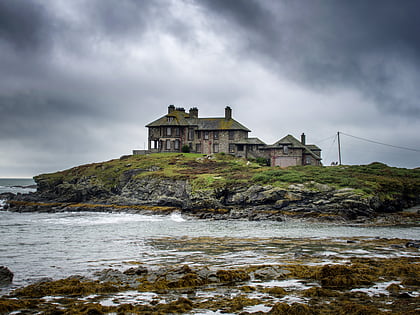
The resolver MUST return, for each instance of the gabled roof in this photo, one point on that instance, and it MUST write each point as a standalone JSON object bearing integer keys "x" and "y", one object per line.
{"x": 251, "y": 141}
{"x": 296, "y": 144}
{"x": 181, "y": 118}
{"x": 220, "y": 124}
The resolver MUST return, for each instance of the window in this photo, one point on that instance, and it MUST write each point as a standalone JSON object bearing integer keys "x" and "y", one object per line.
{"x": 198, "y": 148}
{"x": 240, "y": 147}
{"x": 168, "y": 131}
{"x": 169, "y": 119}
{"x": 206, "y": 135}
{"x": 231, "y": 148}
{"x": 286, "y": 149}
{"x": 176, "y": 132}
{"x": 231, "y": 135}
{"x": 190, "y": 134}
{"x": 216, "y": 148}
{"x": 176, "y": 145}
{"x": 215, "y": 135}
{"x": 198, "y": 135}
{"x": 308, "y": 160}
{"x": 168, "y": 144}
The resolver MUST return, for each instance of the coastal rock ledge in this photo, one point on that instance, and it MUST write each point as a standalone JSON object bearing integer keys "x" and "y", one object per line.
{"x": 211, "y": 188}
{"x": 6, "y": 276}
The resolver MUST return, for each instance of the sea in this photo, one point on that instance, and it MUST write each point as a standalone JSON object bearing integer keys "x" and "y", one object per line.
{"x": 17, "y": 185}
{"x": 35, "y": 246}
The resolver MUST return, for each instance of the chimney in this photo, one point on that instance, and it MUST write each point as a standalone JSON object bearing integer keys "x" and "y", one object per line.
{"x": 228, "y": 113}
{"x": 303, "y": 139}
{"x": 194, "y": 112}
{"x": 171, "y": 108}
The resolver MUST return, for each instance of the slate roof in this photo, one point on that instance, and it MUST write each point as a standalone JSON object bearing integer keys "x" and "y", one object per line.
{"x": 181, "y": 118}
{"x": 295, "y": 144}
{"x": 251, "y": 141}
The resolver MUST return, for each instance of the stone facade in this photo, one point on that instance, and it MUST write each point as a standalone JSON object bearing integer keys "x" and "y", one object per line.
{"x": 178, "y": 128}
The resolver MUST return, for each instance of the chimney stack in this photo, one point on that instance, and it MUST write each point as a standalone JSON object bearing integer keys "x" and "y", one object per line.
{"x": 228, "y": 113}
{"x": 171, "y": 108}
{"x": 303, "y": 139}
{"x": 194, "y": 112}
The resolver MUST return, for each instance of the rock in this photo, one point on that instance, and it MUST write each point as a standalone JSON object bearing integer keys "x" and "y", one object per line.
{"x": 270, "y": 273}
{"x": 6, "y": 276}
{"x": 111, "y": 275}
{"x": 138, "y": 271}
{"x": 413, "y": 244}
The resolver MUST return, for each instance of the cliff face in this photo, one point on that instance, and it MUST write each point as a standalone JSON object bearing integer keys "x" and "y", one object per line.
{"x": 237, "y": 188}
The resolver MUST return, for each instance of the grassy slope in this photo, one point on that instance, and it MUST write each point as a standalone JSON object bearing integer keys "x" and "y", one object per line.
{"x": 375, "y": 178}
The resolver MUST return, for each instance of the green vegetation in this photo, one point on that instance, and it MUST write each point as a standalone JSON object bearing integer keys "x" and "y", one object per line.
{"x": 222, "y": 170}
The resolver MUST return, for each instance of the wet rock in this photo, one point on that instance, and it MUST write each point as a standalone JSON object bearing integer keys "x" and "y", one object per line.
{"x": 136, "y": 271}
{"x": 207, "y": 274}
{"x": 6, "y": 276}
{"x": 111, "y": 275}
{"x": 270, "y": 273}
{"x": 413, "y": 244}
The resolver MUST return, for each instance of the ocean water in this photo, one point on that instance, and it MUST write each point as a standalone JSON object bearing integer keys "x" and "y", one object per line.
{"x": 57, "y": 245}
{"x": 17, "y": 185}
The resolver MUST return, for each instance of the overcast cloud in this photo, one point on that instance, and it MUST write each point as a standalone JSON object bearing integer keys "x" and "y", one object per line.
{"x": 80, "y": 79}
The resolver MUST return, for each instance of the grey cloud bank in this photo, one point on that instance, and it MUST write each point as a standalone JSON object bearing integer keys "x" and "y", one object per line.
{"x": 80, "y": 79}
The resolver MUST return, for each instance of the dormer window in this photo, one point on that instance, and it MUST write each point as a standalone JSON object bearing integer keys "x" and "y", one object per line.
{"x": 169, "y": 119}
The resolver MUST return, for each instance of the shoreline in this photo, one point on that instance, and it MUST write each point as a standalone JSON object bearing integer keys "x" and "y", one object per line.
{"x": 407, "y": 217}
{"x": 301, "y": 282}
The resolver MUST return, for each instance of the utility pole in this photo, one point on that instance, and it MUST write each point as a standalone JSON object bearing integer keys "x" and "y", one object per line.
{"x": 339, "y": 148}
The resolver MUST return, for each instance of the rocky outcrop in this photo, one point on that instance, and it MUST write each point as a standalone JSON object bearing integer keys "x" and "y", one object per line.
{"x": 6, "y": 276}
{"x": 251, "y": 202}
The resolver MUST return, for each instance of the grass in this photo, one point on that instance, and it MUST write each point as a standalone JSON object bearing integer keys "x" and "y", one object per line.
{"x": 225, "y": 170}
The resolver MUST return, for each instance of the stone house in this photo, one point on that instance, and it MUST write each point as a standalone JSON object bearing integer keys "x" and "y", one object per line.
{"x": 207, "y": 135}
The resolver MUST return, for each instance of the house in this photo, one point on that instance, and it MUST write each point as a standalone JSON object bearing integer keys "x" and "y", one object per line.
{"x": 208, "y": 135}
{"x": 289, "y": 151}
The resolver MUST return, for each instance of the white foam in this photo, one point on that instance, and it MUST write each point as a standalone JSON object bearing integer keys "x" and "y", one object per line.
{"x": 293, "y": 284}
{"x": 2, "y": 203}
{"x": 376, "y": 290}
{"x": 177, "y": 217}
{"x": 81, "y": 219}
{"x": 257, "y": 308}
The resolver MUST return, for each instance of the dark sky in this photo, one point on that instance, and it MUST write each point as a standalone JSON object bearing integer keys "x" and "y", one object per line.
{"x": 79, "y": 80}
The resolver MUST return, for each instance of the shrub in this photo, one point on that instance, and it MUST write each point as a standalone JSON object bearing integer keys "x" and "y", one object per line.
{"x": 185, "y": 148}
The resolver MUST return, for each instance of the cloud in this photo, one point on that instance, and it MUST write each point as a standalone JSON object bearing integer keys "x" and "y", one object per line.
{"x": 80, "y": 79}
{"x": 368, "y": 45}
{"x": 24, "y": 25}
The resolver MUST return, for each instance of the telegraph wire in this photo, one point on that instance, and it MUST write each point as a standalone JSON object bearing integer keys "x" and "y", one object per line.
{"x": 331, "y": 145}
{"x": 381, "y": 143}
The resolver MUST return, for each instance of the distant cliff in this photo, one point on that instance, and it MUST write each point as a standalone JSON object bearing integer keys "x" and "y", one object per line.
{"x": 222, "y": 186}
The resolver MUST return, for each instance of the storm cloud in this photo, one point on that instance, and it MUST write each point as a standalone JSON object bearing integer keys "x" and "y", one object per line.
{"x": 80, "y": 79}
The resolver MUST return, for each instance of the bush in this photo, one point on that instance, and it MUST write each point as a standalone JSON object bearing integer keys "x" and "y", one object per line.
{"x": 263, "y": 161}
{"x": 185, "y": 148}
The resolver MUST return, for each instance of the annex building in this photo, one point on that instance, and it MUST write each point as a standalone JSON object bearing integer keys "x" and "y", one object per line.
{"x": 209, "y": 135}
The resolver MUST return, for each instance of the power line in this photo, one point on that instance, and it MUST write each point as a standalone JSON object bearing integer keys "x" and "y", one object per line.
{"x": 381, "y": 143}
{"x": 319, "y": 141}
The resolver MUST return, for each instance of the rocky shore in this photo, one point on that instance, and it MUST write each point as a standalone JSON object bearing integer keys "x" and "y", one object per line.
{"x": 312, "y": 201}
{"x": 223, "y": 187}
{"x": 309, "y": 283}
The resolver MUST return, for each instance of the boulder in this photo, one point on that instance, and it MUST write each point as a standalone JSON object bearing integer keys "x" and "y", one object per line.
{"x": 6, "y": 276}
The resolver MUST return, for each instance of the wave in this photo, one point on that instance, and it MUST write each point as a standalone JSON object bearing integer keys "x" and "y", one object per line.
{"x": 17, "y": 189}
{"x": 176, "y": 217}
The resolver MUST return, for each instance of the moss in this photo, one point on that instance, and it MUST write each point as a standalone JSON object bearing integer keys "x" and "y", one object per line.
{"x": 340, "y": 276}
{"x": 276, "y": 291}
{"x": 294, "y": 309}
{"x": 232, "y": 275}
{"x": 68, "y": 286}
